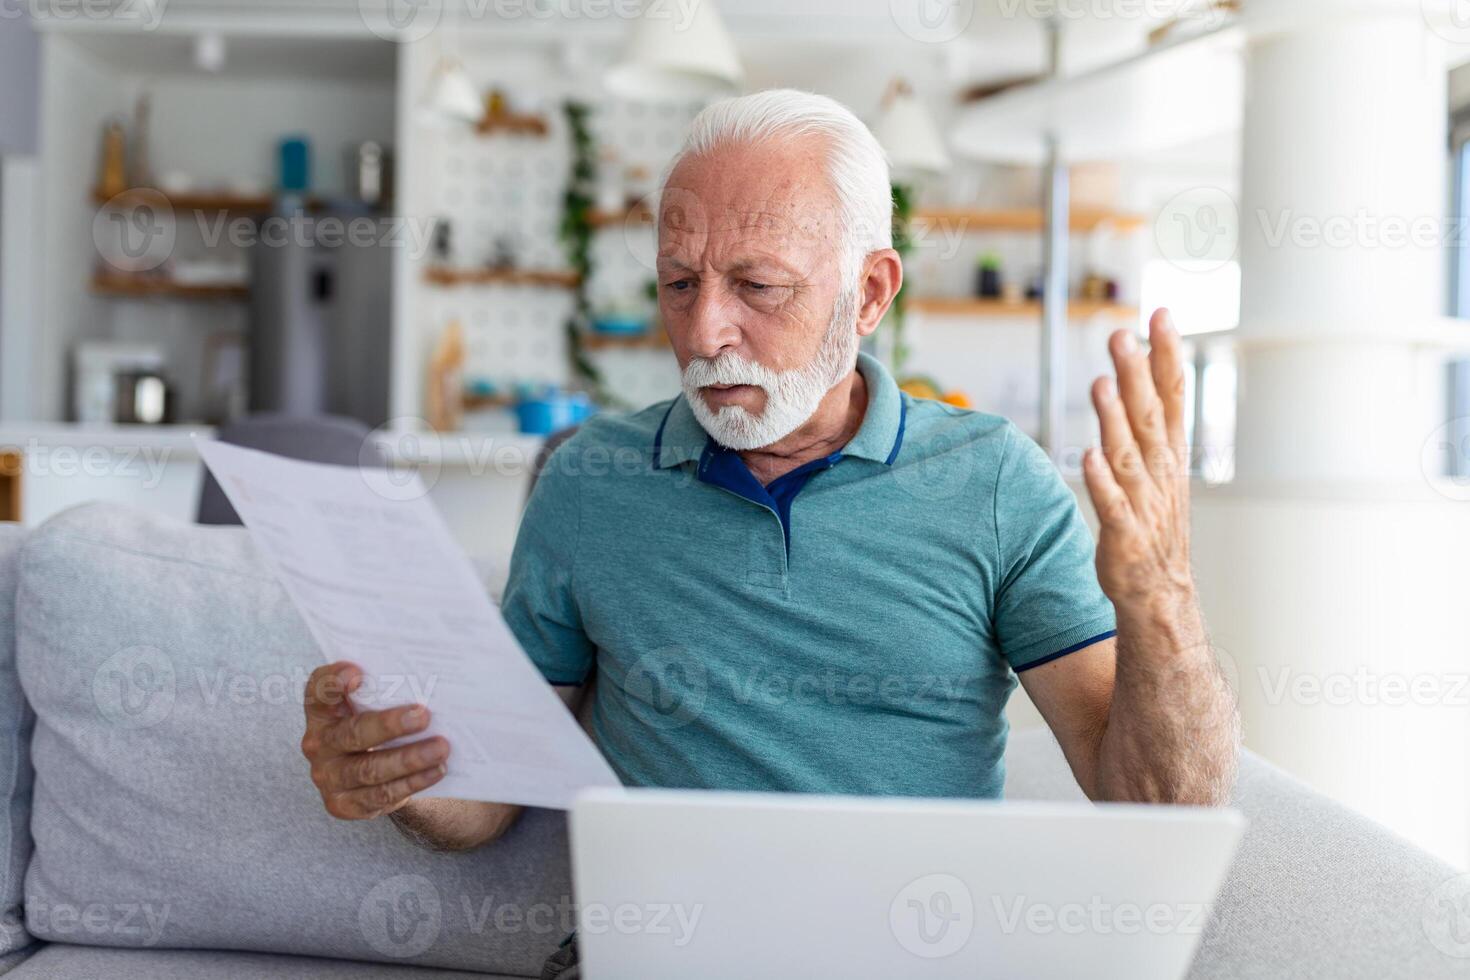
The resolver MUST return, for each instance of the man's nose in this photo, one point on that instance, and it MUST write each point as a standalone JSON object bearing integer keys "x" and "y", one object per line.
{"x": 712, "y": 326}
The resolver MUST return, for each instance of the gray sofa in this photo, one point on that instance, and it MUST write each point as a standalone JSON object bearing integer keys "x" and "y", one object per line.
{"x": 160, "y": 823}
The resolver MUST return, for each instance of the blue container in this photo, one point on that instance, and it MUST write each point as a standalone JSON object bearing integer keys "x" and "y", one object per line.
{"x": 621, "y": 326}
{"x": 295, "y": 165}
{"x": 552, "y": 411}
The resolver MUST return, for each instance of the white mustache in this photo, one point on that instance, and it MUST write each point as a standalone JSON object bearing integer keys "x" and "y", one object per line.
{"x": 728, "y": 369}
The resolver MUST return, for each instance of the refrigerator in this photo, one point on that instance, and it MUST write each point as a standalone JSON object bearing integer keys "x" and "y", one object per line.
{"x": 320, "y": 314}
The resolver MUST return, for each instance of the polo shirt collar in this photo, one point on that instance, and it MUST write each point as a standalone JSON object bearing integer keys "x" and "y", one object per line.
{"x": 681, "y": 439}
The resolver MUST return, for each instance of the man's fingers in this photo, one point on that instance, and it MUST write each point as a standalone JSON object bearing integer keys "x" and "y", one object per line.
{"x": 327, "y": 689}
{"x": 370, "y": 729}
{"x": 372, "y": 801}
{"x": 1140, "y": 400}
{"x": 344, "y": 773}
{"x": 1166, "y": 362}
{"x": 1108, "y": 499}
{"x": 1118, "y": 445}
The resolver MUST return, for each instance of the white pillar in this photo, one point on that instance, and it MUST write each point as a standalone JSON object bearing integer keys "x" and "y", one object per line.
{"x": 1331, "y": 569}
{"x": 1344, "y": 146}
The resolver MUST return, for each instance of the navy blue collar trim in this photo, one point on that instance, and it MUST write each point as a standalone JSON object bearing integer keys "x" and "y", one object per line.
{"x": 658, "y": 437}
{"x": 903, "y": 412}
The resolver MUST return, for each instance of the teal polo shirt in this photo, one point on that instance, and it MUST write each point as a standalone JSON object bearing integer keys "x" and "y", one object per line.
{"x": 856, "y": 626}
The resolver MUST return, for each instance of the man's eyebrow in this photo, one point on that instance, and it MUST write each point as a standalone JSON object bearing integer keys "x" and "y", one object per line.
{"x": 765, "y": 264}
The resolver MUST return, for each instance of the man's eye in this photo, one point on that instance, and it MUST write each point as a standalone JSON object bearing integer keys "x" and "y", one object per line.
{"x": 757, "y": 286}
{"x": 678, "y": 285}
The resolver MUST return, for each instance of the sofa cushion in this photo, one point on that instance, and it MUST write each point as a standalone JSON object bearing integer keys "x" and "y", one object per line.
{"x": 172, "y": 804}
{"x": 1316, "y": 889}
{"x": 63, "y": 961}
{"x": 15, "y": 761}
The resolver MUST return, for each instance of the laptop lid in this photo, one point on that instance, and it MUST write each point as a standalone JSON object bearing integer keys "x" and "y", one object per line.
{"x": 673, "y": 885}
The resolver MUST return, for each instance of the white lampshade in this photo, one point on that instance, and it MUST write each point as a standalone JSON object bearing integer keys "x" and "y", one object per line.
{"x": 667, "y": 58}
{"x": 452, "y": 96}
{"x": 909, "y": 136}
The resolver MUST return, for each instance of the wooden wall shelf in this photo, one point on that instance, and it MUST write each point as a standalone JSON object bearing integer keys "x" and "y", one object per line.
{"x": 512, "y": 123}
{"x": 962, "y": 306}
{"x": 602, "y": 219}
{"x": 196, "y": 200}
{"x": 149, "y": 286}
{"x": 1022, "y": 219}
{"x": 653, "y": 340}
{"x": 11, "y": 467}
{"x": 545, "y": 278}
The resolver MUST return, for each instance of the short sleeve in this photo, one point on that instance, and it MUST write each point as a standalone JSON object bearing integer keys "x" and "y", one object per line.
{"x": 1048, "y": 601}
{"x": 540, "y": 605}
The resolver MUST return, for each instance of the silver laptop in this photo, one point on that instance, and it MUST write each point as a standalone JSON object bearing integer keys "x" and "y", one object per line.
{"x": 676, "y": 885}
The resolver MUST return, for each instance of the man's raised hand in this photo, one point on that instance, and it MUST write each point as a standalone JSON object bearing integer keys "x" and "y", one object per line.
{"x": 1139, "y": 479}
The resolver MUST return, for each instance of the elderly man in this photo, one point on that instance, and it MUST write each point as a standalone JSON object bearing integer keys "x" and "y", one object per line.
{"x": 796, "y": 577}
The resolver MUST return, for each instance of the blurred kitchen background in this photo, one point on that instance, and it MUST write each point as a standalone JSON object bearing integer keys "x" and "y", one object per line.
{"x": 434, "y": 217}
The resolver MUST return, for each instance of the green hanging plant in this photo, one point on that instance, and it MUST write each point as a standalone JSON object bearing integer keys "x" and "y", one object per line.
{"x": 903, "y": 244}
{"x": 576, "y": 235}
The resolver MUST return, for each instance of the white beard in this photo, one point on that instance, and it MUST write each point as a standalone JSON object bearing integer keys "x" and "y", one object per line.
{"x": 792, "y": 396}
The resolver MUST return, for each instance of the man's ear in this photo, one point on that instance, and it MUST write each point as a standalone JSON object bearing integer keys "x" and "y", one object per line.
{"x": 882, "y": 277}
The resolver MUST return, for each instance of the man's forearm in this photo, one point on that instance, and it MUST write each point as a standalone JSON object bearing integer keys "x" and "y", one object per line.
{"x": 443, "y": 824}
{"x": 1173, "y": 731}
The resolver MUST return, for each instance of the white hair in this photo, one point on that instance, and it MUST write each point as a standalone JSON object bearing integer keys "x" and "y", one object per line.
{"x": 857, "y": 166}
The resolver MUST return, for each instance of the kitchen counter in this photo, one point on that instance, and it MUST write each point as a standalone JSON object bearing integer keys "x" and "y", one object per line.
{"x": 477, "y": 480}
{"x": 474, "y": 450}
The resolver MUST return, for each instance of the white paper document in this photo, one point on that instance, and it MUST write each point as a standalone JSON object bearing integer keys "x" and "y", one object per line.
{"x": 373, "y": 570}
